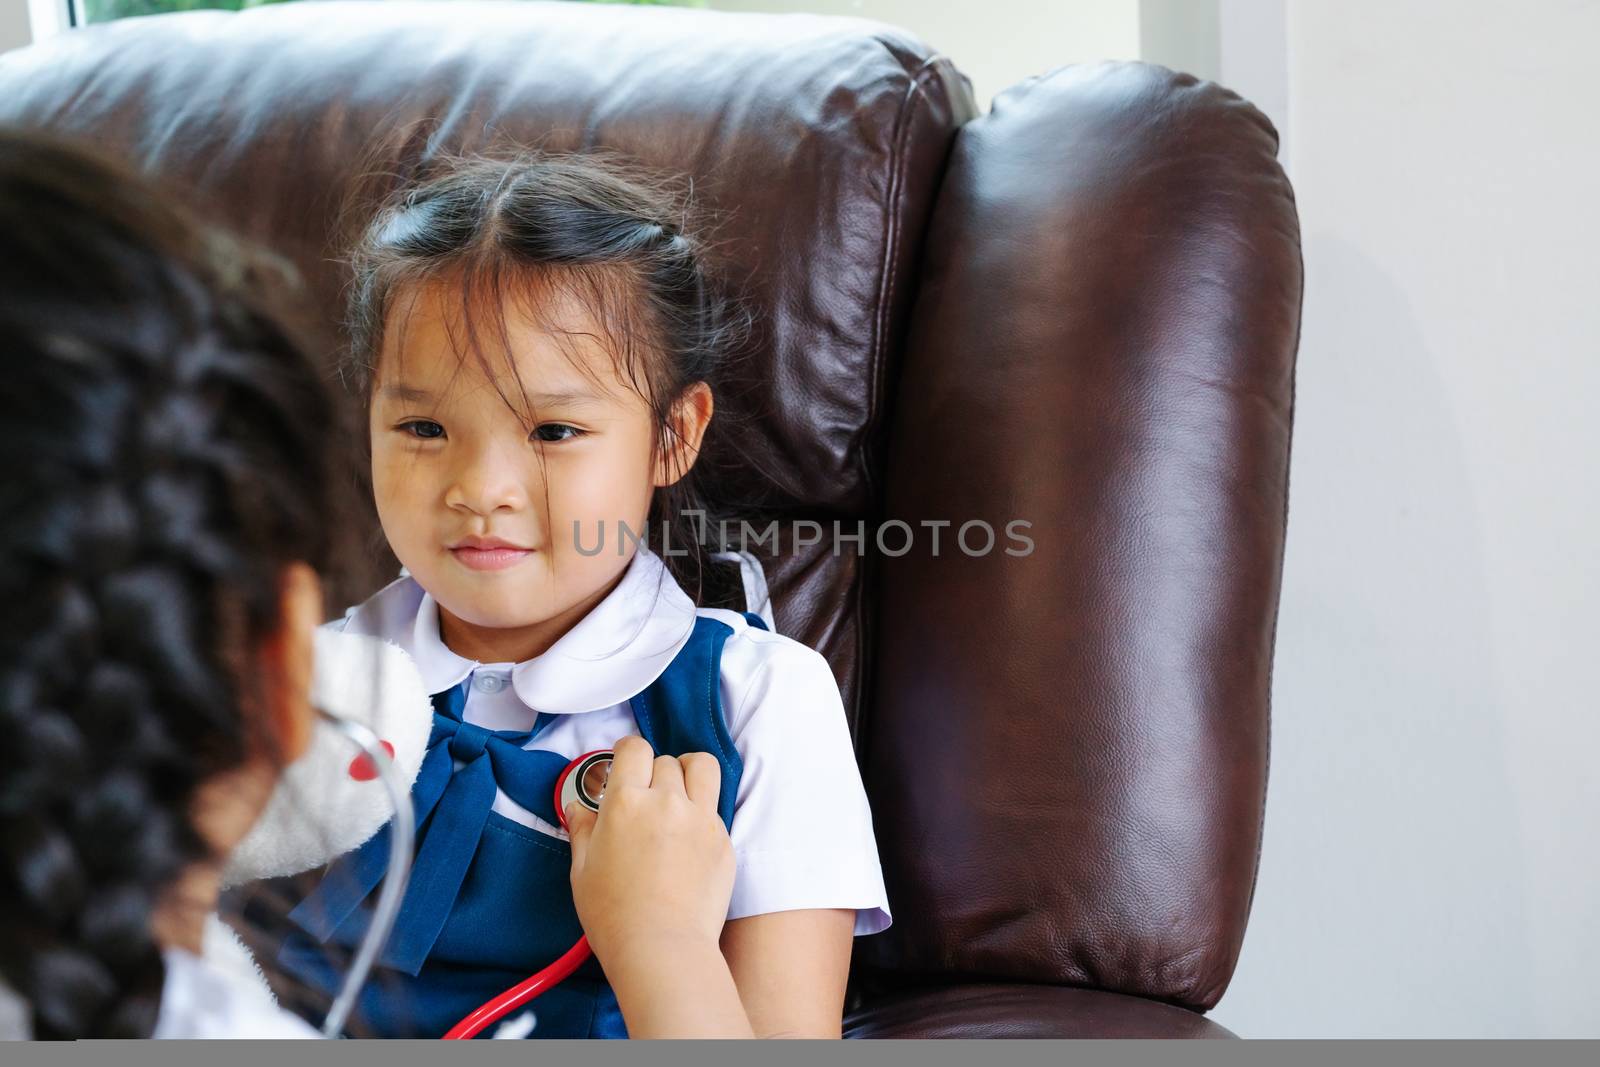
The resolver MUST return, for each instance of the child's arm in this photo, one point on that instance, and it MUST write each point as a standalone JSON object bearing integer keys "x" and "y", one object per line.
{"x": 791, "y": 968}
{"x": 773, "y": 962}
{"x": 776, "y": 975}
{"x": 676, "y": 987}
{"x": 651, "y": 878}
{"x": 802, "y": 834}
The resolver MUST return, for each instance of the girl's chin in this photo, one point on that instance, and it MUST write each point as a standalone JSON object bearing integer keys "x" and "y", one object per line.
{"x": 499, "y": 617}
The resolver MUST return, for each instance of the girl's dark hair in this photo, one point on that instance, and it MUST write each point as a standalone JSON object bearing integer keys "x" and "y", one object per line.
{"x": 593, "y": 226}
{"x": 169, "y": 456}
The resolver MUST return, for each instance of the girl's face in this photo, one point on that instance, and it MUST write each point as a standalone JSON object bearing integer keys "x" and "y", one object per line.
{"x": 480, "y": 509}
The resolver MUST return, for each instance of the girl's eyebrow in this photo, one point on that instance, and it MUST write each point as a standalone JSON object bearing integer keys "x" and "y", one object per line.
{"x": 410, "y": 394}
{"x": 406, "y": 394}
{"x": 540, "y": 400}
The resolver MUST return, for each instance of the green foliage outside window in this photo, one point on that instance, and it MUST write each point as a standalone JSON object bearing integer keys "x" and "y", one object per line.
{"x": 106, "y": 10}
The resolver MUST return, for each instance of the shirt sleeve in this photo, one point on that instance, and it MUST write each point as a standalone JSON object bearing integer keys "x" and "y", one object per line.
{"x": 802, "y": 828}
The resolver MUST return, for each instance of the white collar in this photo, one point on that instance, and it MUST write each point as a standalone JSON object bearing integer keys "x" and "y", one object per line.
{"x": 614, "y": 652}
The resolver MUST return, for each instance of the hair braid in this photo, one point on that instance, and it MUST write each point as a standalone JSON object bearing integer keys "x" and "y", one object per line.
{"x": 177, "y": 447}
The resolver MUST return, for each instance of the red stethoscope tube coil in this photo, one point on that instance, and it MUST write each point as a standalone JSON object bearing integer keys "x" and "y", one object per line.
{"x": 583, "y": 780}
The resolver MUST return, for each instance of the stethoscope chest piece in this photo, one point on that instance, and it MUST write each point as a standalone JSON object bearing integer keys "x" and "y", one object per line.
{"x": 583, "y": 780}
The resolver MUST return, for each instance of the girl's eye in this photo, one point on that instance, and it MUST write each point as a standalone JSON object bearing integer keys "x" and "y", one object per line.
{"x": 425, "y": 429}
{"x": 557, "y": 431}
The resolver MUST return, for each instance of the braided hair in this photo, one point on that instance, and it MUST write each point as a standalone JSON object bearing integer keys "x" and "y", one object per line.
{"x": 168, "y": 455}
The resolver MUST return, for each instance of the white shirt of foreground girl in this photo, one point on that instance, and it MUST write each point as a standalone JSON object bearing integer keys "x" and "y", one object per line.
{"x": 802, "y": 828}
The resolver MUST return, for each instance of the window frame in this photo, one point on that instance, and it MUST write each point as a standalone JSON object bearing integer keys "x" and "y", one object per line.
{"x": 46, "y": 18}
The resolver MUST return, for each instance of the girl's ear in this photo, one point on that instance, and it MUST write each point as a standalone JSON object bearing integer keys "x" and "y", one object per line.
{"x": 691, "y": 414}
{"x": 286, "y": 660}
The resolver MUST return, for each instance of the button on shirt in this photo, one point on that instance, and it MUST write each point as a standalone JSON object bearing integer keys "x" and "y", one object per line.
{"x": 802, "y": 828}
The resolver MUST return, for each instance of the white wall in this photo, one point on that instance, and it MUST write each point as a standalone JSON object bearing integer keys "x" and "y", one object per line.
{"x": 1433, "y": 819}
{"x": 1181, "y": 34}
{"x": 1252, "y": 52}
{"x": 996, "y": 43}
{"x": 14, "y": 25}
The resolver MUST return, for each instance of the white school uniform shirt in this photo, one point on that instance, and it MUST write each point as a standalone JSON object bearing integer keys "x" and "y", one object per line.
{"x": 802, "y": 828}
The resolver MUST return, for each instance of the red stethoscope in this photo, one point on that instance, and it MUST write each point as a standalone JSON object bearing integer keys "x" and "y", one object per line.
{"x": 583, "y": 780}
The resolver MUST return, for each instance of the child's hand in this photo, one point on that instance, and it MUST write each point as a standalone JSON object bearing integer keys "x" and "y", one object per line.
{"x": 656, "y": 863}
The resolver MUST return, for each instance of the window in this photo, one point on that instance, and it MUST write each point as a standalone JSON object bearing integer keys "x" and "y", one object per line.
{"x": 87, "y": 11}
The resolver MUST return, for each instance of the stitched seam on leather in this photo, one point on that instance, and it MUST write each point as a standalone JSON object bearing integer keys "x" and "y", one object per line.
{"x": 880, "y": 359}
{"x": 891, "y": 244}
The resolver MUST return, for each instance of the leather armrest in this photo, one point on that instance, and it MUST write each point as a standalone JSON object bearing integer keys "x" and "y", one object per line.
{"x": 1001, "y": 1010}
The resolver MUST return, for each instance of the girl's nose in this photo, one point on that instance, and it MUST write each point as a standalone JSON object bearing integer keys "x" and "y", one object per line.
{"x": 488, "y": 481}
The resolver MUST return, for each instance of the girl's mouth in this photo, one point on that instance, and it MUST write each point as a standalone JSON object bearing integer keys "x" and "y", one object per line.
{"x": 490, "y": 559}
{"x": 488, "y": 553}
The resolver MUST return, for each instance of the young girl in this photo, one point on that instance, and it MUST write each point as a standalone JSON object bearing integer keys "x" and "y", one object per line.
{"x": 534, "y": 341}
{"x": 162, "y": 524}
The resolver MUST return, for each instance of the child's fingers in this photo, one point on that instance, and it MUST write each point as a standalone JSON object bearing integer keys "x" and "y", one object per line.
{"x": 580, "y": 824}
{"x": 580, "y": 817}
{"x": 631, "y": 762}
{"x": 702, "y": 778}
{"x": 668, "y": 774}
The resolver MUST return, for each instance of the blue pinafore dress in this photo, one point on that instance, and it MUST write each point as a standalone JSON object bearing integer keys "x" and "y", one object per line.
{"x": 490, "y": 900}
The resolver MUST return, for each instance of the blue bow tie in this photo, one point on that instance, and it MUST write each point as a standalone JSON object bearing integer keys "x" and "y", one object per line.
{"x": 452, "y": 807}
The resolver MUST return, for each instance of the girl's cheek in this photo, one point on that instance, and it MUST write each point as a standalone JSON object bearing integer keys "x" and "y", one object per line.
{"x": 394, "y": 493}
{"x": 382, "y": 479}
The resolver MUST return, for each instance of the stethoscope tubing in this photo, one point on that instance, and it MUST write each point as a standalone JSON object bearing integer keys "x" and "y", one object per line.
{"x": 499, "y": 1007}
{"x": 395, "y": 881}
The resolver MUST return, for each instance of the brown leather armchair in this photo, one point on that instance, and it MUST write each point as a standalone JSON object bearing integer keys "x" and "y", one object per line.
{"x": 1080, "y": 310}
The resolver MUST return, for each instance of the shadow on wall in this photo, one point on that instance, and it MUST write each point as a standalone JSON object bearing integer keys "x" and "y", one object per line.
{"x": 1392, "y": 894}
